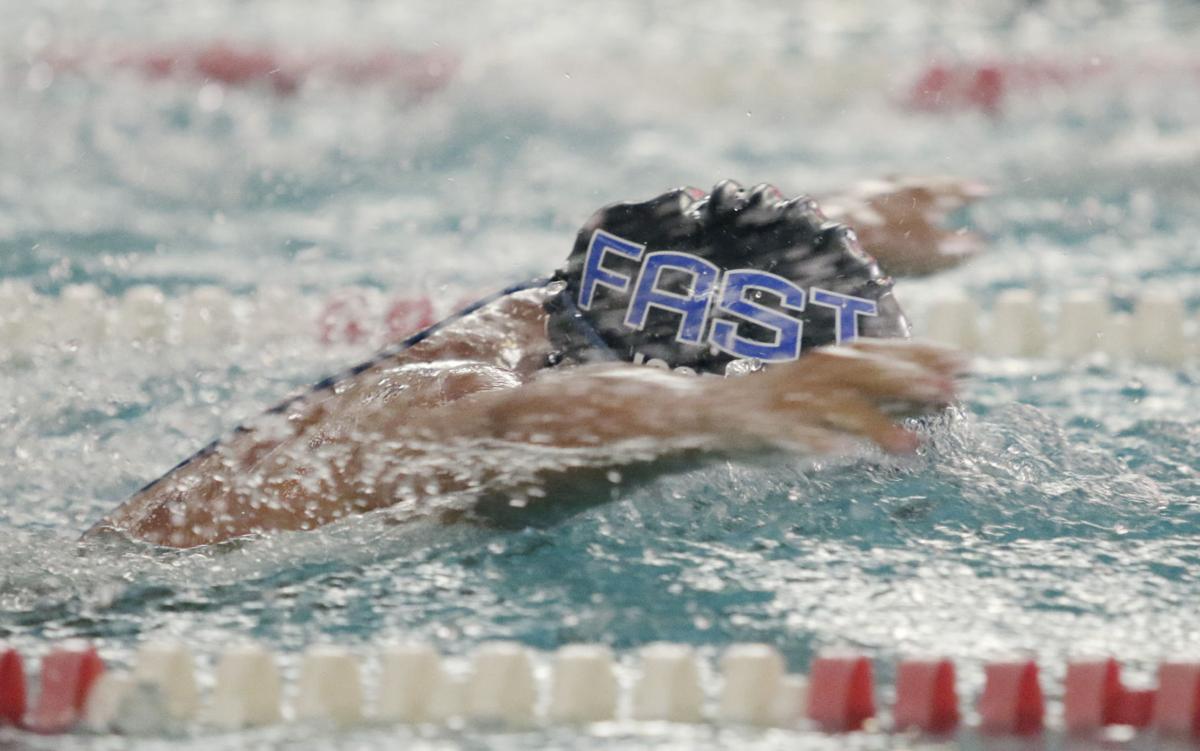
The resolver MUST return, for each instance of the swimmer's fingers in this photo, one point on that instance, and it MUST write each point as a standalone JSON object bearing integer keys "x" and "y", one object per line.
{"x": 913, "y": 378}
{"x": 902, "y": 222}
{"x": 934, "y": 357}
{"x": 857, "y": 417}
{"x": 941, "y": 193}
{"x": 847, "y": 414}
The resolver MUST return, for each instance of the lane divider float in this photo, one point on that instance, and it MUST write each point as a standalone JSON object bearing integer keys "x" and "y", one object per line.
{"x": 159, "y": 694}
{"x": 83, "y": 316}
{"x": 1157, "y": 331}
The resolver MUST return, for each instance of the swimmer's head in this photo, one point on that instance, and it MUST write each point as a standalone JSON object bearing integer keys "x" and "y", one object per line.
{"x": 697, "y": 280}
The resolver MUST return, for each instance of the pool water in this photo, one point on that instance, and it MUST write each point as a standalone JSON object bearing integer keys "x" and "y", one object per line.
{"x": 1055, "y": 512}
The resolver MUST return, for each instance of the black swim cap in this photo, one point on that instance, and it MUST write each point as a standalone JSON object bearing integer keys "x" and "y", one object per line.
{"x": 696, "y": 281}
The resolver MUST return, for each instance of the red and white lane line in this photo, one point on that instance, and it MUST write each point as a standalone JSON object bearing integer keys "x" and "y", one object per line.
{"x": 989, "y": 85}
{"x": 1079, "y": 326}
{"x": 240, "y": 64}
{"x": 499, "y": 686}
{"x": 1158, "y": 331}
{"x": 83, "y": 317}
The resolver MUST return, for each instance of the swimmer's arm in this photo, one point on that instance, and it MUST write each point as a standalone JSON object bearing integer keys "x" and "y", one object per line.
{"x": 902, "y": 222}
{"x": 630, "y": 423}
{"x": 420, "y": 455}
{"x": 814, "y": 405}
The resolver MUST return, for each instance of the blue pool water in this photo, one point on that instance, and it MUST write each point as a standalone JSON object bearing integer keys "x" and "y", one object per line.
{"x": 1056, "y": 512}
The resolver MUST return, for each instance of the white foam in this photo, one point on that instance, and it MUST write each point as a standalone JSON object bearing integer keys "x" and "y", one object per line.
{"x": 584, "y": 687}
{"x": 668, "y": 687}
{"x": 753, "y": 675}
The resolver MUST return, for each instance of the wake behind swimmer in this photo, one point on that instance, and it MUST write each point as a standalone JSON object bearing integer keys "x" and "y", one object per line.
{"x": 730, "y": 281}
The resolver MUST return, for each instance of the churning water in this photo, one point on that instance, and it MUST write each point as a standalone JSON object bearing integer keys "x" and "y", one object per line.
{"x": 1057, "y": 511}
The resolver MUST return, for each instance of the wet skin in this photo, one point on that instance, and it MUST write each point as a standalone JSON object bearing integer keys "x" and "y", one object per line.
{"x": 472, "y": 414}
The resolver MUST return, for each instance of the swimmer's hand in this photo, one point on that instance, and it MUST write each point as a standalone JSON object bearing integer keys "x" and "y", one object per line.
{"x": 836, "y": 395}
{"x": 901, "y": 221}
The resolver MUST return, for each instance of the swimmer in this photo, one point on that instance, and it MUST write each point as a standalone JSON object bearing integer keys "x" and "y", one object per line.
{"x": 609, "y": 370}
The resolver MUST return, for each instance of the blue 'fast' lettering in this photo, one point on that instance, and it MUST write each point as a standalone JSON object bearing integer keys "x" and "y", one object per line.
{"x": 787, "y": 330}
{"x": 594, "y": 272}
{"x": 693, "y": 307}
{"x": 848, "y": 308}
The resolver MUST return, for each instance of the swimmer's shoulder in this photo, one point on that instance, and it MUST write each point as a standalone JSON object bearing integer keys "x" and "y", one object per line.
{"x": 508, "y": 331}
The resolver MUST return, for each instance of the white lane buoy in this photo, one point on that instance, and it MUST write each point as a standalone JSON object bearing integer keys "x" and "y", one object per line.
{"x": 169, "y": 666}
{"x": 501, "y": 686}
{"x": 790, "y": 702}
{"x": 584, "y": 684}
{"x": 448, "y": 696}
{"x": 206, "y": 315}
{"x": 246, "y": 691}
{"x": 1079, "y": 330}
{"x": 142, "y": 314}
{"x": 144, "y": 710}
{"x": 1016, "y": 328}
{"x": 23, "y": 322}
{"x": 668, "y": 687}
{"x": 753, "y": 674}
{"x": 330, "y": 687}
{"x": 953, "y": 321}
{"x": 408, "y": 676}
{"x": 1158, "y": 332}
{"x": 104, "y": 701}
{"x": 1117, "y": 338}
{"x": 119, "y": 702}
{"x": 82, "y": 314}
{"x": 277, "y": 312}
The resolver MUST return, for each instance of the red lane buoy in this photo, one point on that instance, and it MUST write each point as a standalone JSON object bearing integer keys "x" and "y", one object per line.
{"x": 941, "y": 88}
{"x": 1091, "y": 692}
{"x": 926, "y": 698}
{"x": 12, "y": 687}
{"x": 1094, "y": 697}
{"x": 233, "y": 66}
{"x": 1134, "y": 708}
{"x": 238, "y": 64}
{"x": 841, "y": 693}
{"x": 68, "y": 674}
{"x": 406, "y": 316}
{"x": 1012, "y": 702}
{"x": 343, "y": 320}
{"x": 1177, "y": 704}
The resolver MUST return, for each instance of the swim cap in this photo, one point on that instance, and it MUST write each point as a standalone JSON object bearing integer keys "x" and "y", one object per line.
{"x": 689, "y": 280}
